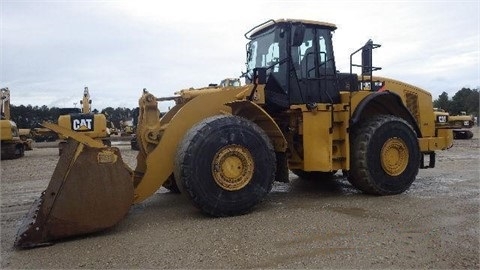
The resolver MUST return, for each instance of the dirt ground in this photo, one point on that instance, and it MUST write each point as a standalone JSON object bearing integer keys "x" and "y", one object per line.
{"x": 435, "y": 224}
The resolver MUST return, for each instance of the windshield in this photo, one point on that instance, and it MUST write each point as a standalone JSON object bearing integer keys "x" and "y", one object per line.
{"x": 263, "y": 51}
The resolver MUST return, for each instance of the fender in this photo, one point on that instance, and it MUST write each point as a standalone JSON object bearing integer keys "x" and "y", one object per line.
{"x": 259, "y": 116}
{"x": 383, "y": 102}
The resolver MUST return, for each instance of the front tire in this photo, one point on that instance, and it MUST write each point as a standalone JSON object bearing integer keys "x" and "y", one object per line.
{"x": 171, "y": 185}
{"x": 225, "y": 165}
{"x": 385, "y": 156}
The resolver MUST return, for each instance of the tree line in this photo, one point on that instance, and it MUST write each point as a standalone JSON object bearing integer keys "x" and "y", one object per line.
{"x": 32, "y": 116}
{"x": 466, "y": 100}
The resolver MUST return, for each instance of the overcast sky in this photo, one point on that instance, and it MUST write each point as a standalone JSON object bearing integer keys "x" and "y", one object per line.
{"x": 51, "y": 50}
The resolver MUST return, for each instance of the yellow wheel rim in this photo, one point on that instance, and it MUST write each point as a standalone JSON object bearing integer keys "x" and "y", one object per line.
{"x": 232, "y": 167}
{"x": 394, "y": 156}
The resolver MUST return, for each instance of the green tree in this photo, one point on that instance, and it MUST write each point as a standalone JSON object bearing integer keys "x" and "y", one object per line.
{"x": 472, "y": 103}
{"x": 465, "y": 100}
{"x": 442, "y": 102}
{"x": 117, "y": 115}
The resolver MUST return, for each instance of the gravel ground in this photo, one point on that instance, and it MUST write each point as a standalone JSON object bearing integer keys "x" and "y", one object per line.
{"x": 435, "y": 224}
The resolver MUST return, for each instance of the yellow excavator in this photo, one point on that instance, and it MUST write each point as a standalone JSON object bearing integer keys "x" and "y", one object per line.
{"x": 224, "y": 147}
{"x": 13, "y": 144}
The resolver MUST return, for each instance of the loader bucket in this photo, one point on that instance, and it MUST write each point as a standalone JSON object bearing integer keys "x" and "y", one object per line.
{"x": 90, "y": 190}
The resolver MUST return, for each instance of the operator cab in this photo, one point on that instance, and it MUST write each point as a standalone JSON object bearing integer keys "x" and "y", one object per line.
{"x": 296, "y": 57}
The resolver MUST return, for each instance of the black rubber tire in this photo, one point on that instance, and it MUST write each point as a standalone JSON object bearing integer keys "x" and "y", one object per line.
{"x": 195, "y": 156}
{"x": 313, "y": 176}
{"x": 134, "y": 144}
{"x": 171, "y": 184}
{"x": 19, "y": 150}
{"x": 469, "y": 134}
{"x": 462, "y": 134}
{"x": 107, "y": 142}
{"x": 366, "y": 170}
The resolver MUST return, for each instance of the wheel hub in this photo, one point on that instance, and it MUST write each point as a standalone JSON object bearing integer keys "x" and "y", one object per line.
{"x": 394, "y": 156}
{"x": 232, "y": 167}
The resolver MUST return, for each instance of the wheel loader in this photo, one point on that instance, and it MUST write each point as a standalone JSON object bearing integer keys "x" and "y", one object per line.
{"x": 462, "y": 123}
{"x": 224, "y": 147}
{"x": 12, "y": 145}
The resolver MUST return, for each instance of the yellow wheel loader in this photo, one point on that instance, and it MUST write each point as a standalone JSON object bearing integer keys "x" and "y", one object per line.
{"x": 224, "y": 147}
{"x": 462, "y": 123}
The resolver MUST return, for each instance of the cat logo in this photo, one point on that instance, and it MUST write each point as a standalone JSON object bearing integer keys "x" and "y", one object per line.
{"x": 82, "y": 123}
{"x": 442, "y": 119}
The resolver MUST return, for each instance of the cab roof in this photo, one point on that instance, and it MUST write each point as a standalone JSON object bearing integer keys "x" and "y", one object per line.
{"x": 262, "y": 27}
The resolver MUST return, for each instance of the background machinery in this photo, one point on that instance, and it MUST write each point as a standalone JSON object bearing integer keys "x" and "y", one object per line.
{"x": 12, "y": 145}
{"x": 25, "y": 135}
{"x": 230, "y": 82}
{"x": 224, "y": 148}
{"x": 91, "y": 124}
{"x": 462, "y": 124}
{"x": 42, "y": 134}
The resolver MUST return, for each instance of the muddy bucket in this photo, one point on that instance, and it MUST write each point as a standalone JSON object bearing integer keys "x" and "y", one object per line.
{"x": 91, "y": 190}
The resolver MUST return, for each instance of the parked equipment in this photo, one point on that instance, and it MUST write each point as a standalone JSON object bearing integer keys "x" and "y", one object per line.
{"x": 12, "y": 146}
{"x": 91, "y": 124}
{"x": 460, "y": 124}
{"x": 25, "y": 135}
{"x": 42, "y": 134}
{"x": 235, "y": 82}
{"x": 223, "y": 148}
{"x": 463, "y": 124}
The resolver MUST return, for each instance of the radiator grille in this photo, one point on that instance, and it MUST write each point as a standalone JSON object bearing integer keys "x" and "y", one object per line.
{"x": 412, "y": 104}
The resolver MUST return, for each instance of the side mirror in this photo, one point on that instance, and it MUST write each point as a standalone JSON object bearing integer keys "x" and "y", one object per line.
{"x": 298, "y": 34}
{"x": 367, "y": 58}
{"x": 367, "y": 64}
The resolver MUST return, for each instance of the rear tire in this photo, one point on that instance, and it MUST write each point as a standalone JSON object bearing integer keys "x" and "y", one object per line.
{"x": 225, "y": 165}
{"x": 385, "y": 156}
